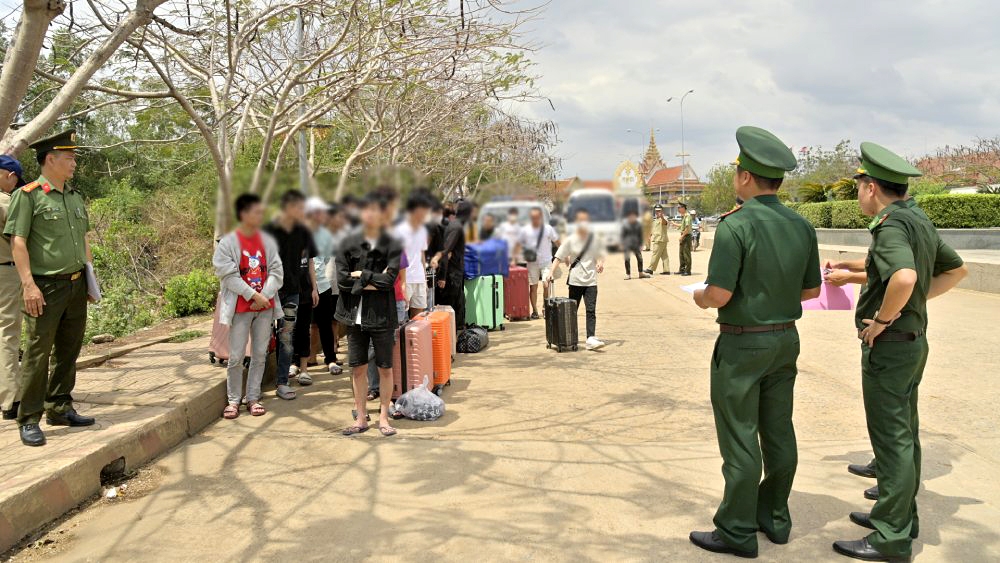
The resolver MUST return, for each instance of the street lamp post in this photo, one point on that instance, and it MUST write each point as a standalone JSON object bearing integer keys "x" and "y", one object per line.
{"x": 683, "y": 153}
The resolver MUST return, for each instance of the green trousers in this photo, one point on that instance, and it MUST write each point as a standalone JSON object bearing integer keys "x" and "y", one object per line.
{"x": 753, "y": 381}
{"x": 890, "y": 375}
{"x": 685, "y": 251}
{"x": 660, "y": 253}
{"x": 57, "y": 333}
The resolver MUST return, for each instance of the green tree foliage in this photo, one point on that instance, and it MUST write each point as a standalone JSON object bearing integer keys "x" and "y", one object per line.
{"x": 820, "y": 170}
{"x": 719, "y": 195}
{"x": 192, "y": 293}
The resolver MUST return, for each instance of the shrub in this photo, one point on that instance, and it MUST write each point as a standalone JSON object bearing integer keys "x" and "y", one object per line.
{"x": 819, "y": 214}
{"x": 793, "y": 205}
{"x": 191, "y": 293}
{"x": 848, "y": 215}
{"x": 962, "y": 211}
{"x": 123, "y": 310}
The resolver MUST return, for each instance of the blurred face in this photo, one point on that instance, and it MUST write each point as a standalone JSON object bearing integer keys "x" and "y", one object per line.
{"x": 390, "y": 212}
{"x": 318, "y": 217}
{"x": 489, "y": 222}
{"x": 372, "y": 216}
{"x": 657, "y": 213}
{"x": 536, "y": 218}
{"x": 295, "y": 210}
{"x": 583, "y": 222}
{"x": 512, "y": 217}
{"x": 253, "y": 217}
{"x": 8, "y": 180}
{"x": 866, "y": 197}
{"x": 60, "y": 165}
{"x": 632, "y": 218}
{"x": 335, "y": 221}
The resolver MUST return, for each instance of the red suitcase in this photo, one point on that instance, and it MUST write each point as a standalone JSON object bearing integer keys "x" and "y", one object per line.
{"x": 416, "y": 357}
{"x": 516, "y": 294}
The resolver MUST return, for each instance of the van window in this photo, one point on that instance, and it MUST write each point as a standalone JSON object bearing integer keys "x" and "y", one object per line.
{"x": 601, "y": 208}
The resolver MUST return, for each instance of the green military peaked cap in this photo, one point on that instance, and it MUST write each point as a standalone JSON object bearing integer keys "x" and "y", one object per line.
{"x": 65, "y": 141}
{"x": 763, "y": 154}
{"x": 882, "y": 164}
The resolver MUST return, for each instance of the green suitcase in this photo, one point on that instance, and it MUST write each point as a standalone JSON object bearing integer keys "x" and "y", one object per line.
{"x": 484, "y": 302}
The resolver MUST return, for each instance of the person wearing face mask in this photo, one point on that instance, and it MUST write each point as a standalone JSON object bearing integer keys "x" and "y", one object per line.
{"x": 584, "y": 253}
{"x": 510, "y": 231}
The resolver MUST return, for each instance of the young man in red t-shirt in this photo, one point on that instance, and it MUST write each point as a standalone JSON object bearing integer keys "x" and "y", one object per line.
{"x": 250, "y": 273}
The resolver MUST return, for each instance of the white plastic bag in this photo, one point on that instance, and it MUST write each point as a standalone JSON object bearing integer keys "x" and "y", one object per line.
{"x": 420, "y": 403}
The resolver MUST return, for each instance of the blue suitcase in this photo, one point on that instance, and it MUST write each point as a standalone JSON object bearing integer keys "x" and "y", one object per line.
{"x": 487, "y": 258}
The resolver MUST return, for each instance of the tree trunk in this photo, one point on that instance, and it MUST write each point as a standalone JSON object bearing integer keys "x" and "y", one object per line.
{"x": 22, "y": 56}
{"x": 141, "y": 15}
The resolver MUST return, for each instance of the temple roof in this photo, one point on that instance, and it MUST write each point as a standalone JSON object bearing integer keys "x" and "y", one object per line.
{"x": 652, "y": 162}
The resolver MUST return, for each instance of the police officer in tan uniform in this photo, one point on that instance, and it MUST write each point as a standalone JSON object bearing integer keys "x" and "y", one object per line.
{"x": 11, "y": 178}
{"x": 47, "y": 226}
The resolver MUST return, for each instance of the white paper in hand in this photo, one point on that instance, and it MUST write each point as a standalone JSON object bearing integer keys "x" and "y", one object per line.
{"x": 694, "y": 287}
{"x": 93, "y": 288}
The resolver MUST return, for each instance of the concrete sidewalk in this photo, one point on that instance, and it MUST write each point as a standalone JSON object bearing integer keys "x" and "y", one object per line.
{"x": 147, "y": 397}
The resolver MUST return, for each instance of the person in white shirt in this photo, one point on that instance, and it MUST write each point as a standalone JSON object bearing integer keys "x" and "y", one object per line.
{"x": 413, "y": 235}
{"x": 584, "y": 252}
{"x": 510, "y": 231}
{"x": 535, "y": 240}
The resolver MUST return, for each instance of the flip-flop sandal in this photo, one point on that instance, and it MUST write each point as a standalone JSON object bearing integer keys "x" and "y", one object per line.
{"x": 304, "y": 379}
{"x": 372, "y": 395}
{"x": 352, "y": 430}
{"x": 387, "y": 431}
{"x": 231, "y": 412}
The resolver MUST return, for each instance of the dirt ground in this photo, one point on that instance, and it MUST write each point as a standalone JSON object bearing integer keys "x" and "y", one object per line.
{"x": 587, "y": 456}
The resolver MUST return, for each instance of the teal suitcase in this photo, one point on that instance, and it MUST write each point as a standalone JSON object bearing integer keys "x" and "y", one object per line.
{"x": 484, "y": 302}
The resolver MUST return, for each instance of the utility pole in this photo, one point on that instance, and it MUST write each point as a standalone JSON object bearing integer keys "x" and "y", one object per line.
{"x": 303, "y": 158}
{"x": 683, "y": 154}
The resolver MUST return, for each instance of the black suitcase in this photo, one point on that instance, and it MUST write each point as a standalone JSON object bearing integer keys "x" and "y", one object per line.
{"x": 560, "y": 323}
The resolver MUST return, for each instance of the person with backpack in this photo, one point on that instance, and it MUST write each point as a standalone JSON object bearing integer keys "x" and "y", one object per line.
{"x": 584, "y": 253}
{"x": 535, "y": 243}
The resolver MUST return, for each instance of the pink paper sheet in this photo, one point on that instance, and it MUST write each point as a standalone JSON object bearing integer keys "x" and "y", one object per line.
{"x": 832, "y": 298}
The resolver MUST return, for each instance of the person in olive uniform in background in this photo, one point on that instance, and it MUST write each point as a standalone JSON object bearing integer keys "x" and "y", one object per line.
{"x": 907, "y": 264}
{"x": 658, "y": 242}
{"x": 765, "y": 262}
{"x": 686, "y": 226}
{"x": 47, "y": 226}
{"x": 11, "y": 178}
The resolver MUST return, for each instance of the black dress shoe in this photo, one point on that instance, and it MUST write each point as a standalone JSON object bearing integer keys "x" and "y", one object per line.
{"x": 68, "y": 418}
{"x": 872, "y": 493}
{"x": 686, "y": 274}
{"x": 862, "y": 519}
{"x": 709, "y": 541}
{"x": 11, "y": 414}
{"x": 648, "y": 271}
{"x": 861, "y": 549}
{"x": 862, "y": 470}
{"x": 772, "y": 538}
{"x": 32, "y": 435}
{"x": 664, "y": 273}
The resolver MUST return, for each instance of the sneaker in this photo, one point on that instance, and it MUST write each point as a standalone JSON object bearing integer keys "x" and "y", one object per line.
{"x": 304, "y": 378}
{"x": 335, "y": 369}
{"x": 593, "y": 343}
{"x": 627, "y": 277}
{"x": 285, "y": 392}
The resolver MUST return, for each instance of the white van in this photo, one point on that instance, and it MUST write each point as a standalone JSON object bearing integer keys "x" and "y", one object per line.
{"x": 604, "y": 219}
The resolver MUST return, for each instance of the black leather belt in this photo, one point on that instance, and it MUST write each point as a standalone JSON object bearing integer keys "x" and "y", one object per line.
{"x": 897, "y": 336}
{"x": 64, "y": 277}
{"x": 737, "y": 330}
{"x": 6, "y": 263}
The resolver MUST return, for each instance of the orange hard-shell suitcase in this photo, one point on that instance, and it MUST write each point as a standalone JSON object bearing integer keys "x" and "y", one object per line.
{"x": 441, "y": 338}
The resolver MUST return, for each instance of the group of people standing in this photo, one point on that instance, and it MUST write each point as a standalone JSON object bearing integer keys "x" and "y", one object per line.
{"x": 764, "y": 263}
{"x": 333, "y": 268}
{"x": 632, "y": 241}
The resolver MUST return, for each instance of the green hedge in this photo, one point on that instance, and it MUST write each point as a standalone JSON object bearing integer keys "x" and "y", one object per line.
{"x": 819, "y": 214}
{"x": 848, "y": 215}
{"x": 192, "y": 293}
{"x": 962, "y": 211}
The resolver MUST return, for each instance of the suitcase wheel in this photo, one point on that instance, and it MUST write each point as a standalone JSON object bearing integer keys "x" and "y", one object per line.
{"x": 211, "y": 358}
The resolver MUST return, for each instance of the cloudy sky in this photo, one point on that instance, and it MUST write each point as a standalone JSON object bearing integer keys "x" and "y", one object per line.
{"x": 913, "y": 75}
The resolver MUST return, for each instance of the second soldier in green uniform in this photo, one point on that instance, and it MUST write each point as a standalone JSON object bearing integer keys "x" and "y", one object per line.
{"x": 907, "y": 264}
{"x": 47, "y": 226}
{"x": 765, "y": 262}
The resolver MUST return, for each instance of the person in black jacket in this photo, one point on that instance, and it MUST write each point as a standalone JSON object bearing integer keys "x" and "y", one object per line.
{"x": 367, "y": 266}
{"x": 632, "y": 243}
{"x": 450, "y": 263}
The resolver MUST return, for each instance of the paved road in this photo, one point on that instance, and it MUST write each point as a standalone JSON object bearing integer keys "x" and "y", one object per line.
{"x": 588, "y": 456}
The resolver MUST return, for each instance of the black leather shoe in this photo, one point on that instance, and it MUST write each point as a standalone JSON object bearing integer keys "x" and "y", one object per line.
{"x": 32, "y": 435}
{"x": 648, "y": 271}
{"x": 862, "y": 519}
{"x": 862, "y": 470}
{"x": 12, "y": 413}
{"x": 861, "y": 549}
{"x": 872, "y": 493}
{"x": 772, "y": 538}
{"x": 686, "y": 274}
{"x": 709, "y": 541}
{"x": 68, "y": 418}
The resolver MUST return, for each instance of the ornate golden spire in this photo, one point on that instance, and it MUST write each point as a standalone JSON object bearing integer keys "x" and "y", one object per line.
{"x": 652, "y": 161}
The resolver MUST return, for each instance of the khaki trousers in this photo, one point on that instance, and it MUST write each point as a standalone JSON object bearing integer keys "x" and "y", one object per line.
{"x": 10, "y": 336}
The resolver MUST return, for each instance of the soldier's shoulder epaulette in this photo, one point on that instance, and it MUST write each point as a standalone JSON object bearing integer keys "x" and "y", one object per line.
{"x": 876, "y": 223}
{"x": 27, "y": 188}
{"x": 727, "y": 214}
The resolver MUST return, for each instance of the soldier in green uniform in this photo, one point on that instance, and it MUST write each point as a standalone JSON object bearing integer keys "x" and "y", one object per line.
{"x": 765, "y": 262}
{"x": 686, "y": 226}
{"x": 907, "y": 264}
{"x": 10, "y": 298}
{"x": 658, "y": 242}
{"x": 47, "y": 227}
